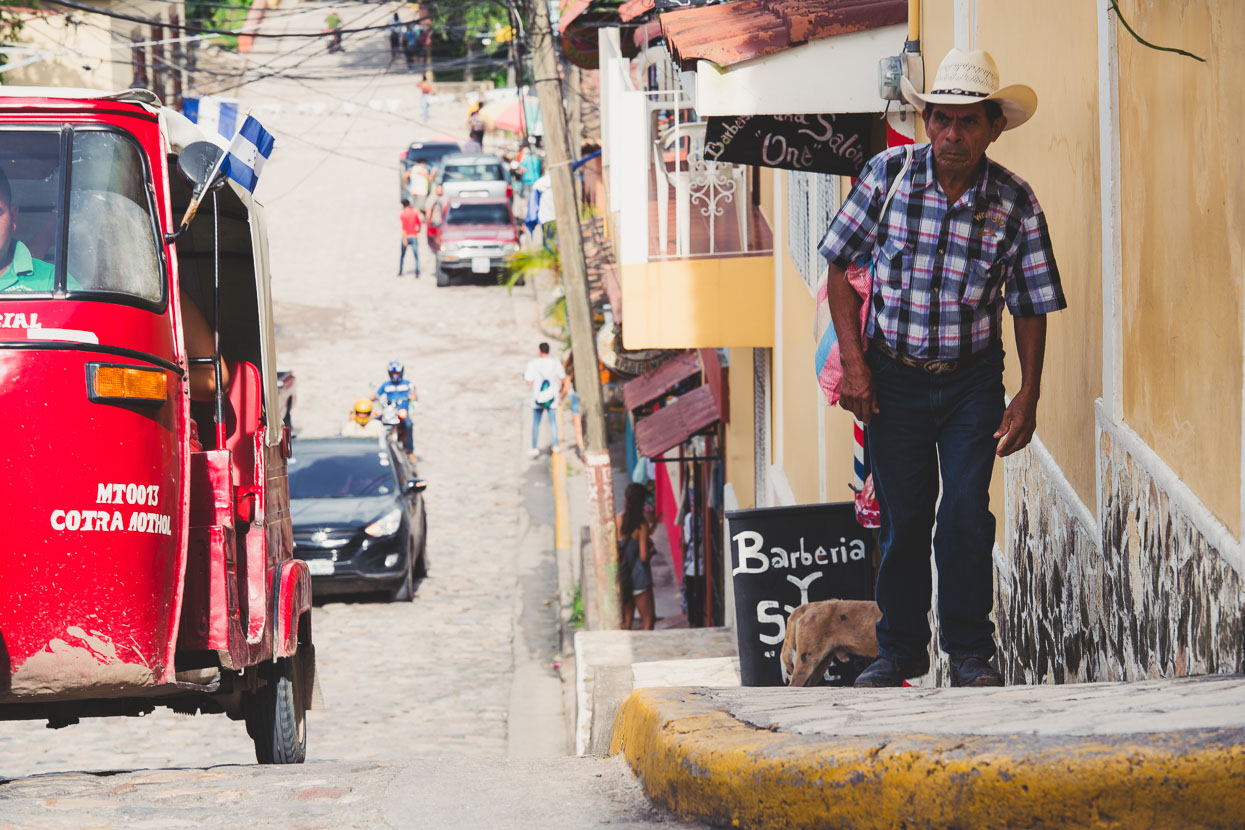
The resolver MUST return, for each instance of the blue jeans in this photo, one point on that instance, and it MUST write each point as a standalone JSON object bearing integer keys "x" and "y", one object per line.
{"x": 412, "y": 242}
{"x": 927, "y": 425}
{"x": 425, "y": 106}
{"x": 537, "y": 412}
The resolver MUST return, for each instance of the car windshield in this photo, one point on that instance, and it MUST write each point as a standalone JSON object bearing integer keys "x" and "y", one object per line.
{"x": 430, "y": 153}
{"x": 483, "y": 171}
{"x": 341, "y": 475}
{"x": 108, "y": 246}
{"x": 485, "y": 214}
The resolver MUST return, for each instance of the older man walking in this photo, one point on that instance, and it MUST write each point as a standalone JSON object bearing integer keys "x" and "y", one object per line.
{"x": 951, "y": 237}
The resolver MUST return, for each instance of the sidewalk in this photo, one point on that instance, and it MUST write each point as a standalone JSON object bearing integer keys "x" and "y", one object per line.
{"x": 1156, "y": 753}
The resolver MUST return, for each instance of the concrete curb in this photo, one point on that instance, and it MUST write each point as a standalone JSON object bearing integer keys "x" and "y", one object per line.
{"x": 697, "y": 760}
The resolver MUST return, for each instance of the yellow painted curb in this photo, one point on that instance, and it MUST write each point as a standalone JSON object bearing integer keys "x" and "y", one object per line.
{"x": 697, "y": 760}
{"x": 561, "y": 506}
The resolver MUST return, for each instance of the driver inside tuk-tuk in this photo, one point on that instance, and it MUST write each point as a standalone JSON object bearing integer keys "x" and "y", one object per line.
{"x": 19, "y": 271}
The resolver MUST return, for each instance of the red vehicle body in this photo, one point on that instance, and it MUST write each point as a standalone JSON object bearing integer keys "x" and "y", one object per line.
{"x": 140, "y": 567}
{"x": 472, "y": 236}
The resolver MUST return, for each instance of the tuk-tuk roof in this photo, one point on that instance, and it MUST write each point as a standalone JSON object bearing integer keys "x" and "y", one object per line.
{"x": 180, "y": 132}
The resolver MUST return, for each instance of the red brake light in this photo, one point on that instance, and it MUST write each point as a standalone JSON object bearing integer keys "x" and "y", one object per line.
{"x": 509, "y": 193}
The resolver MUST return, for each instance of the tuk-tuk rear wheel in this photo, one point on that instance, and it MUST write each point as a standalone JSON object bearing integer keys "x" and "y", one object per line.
{"x": 276, "y": 716}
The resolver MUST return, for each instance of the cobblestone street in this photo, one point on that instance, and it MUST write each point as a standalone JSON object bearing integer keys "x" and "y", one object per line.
{"x": 416, "y": 728}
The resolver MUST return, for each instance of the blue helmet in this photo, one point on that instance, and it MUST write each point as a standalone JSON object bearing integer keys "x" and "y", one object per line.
{"x": 396, "y": 369}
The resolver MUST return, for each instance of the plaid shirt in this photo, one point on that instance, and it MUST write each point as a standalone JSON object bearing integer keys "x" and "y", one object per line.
{"x": 942, "y": 273}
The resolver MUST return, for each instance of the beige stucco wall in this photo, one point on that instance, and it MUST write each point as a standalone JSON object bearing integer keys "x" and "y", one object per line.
{"x": 1057, "y": 153}
{"x": 83, "y": 54}
{"x": 1181, "y": 145}
{"x": 741, "y": 428}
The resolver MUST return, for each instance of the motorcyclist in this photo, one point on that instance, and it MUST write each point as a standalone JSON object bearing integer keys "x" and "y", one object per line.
{"x": 400, "y": 392}
{"x": 363, "y": 421}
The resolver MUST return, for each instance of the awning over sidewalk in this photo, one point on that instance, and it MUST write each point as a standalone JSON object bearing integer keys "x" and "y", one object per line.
{"x": 578, "y": 24}
{"x": 689, "y": 414}
{"x": 746, "y": 54}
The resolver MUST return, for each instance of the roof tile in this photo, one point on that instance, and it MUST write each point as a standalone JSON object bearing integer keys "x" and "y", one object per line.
{"x": 744, "y": 30}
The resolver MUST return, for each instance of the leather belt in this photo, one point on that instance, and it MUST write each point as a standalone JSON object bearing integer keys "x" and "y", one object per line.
{"x": 933, "y": 366}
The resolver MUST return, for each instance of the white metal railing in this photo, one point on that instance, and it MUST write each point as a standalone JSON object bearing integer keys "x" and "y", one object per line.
{"x": 645, "y": 126}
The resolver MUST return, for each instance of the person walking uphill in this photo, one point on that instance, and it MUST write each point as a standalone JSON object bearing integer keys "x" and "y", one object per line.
{"x": 412, "y": 222}
{"x": 952, "y": 237}
{"x": 548, "y": 382}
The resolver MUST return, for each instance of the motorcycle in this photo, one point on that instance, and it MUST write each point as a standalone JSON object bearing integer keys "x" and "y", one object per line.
{"x": 397, "y": 421}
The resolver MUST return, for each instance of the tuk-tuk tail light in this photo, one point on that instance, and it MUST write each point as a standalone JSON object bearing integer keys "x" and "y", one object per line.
{"x": 127, "y": 383}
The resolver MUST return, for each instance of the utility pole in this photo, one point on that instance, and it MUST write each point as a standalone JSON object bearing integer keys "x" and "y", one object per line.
{"x": 579, "y": 316}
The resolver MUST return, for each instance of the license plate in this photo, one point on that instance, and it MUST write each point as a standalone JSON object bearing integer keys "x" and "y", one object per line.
{"x": 480, "y": 265}
{"x": 475, "y": 193}
{"x": 321, "y": 567}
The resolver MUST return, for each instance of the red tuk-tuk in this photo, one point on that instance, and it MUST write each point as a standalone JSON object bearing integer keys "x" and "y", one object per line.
{"x": 147, "y": 554}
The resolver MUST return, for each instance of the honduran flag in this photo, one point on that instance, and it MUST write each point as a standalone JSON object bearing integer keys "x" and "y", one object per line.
{"x": 250, "y": 148}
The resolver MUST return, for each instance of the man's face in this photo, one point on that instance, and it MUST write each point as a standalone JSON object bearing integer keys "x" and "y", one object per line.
{"x": 959, "y": 134}
{"x": 8, "y": 228}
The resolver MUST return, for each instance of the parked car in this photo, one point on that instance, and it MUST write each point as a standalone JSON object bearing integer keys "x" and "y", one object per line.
{"x": 285, "y": 394}
{"x": 472, "y": 237}
{"x": 430, "y": 152}
{"x": 359, "y": 518}
{"x": 472, "y": 175}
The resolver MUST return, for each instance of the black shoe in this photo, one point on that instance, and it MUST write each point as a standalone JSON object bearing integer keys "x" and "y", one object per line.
{"x": 883, "y": 673}
{"x": 974, "y": 671}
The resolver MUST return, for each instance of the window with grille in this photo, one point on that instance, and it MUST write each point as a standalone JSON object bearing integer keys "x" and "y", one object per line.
{"x": 812, "y": 201}
{"x": 797, "y": 222}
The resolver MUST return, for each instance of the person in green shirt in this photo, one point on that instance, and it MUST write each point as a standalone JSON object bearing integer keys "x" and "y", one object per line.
{"x": 19, "y": 271}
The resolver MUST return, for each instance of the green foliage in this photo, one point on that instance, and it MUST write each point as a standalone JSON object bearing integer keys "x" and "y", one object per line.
{"x": 219, "y": 14}
{"x": 529, "y": 262}
{"x": 577, "y": 609}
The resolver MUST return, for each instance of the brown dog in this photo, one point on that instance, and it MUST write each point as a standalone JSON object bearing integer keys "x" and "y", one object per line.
{"x": 819, "y": 632}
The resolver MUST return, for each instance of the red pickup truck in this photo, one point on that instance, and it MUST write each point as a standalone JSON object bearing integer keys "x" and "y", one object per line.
{"x": 472, "y": 237}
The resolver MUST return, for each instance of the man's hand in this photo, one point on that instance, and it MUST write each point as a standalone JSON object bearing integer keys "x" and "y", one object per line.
{"x": 1019, "y": 422}
{"x": 856, "y": 392}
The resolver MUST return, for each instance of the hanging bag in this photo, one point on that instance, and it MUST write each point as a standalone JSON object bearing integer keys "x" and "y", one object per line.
{"x": 826, "y": 360}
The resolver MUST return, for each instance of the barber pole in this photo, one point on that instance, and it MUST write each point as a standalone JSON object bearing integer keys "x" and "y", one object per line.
{"x": 858, "y": 449}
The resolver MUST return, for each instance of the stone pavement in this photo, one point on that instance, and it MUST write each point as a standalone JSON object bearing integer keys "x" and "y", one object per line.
{"x": 441, "y": 712}
{"x": 442, "y": 793}
{"x": 1156, "y": 753}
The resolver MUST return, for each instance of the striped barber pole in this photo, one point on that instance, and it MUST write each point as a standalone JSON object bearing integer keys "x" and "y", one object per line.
{"x": 858, "y": 448}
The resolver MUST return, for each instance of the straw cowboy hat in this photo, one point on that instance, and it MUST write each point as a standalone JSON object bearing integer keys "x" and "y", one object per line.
{"x": 969, "y": 77}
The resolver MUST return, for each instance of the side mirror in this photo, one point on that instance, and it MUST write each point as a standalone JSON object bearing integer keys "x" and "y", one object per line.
{"x": 198, "y": 160}
{"x": 415, "y": 485}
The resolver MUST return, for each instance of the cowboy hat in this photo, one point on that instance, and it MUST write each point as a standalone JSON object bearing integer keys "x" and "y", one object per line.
{"x": 969, "y": 77}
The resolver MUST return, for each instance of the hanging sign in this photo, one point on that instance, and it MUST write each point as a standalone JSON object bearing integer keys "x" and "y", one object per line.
{"x": 783, "y": 557}
{"x": 834, "y": 144}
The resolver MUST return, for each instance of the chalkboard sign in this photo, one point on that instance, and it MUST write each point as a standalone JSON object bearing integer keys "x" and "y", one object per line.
{"x": 836, "y": 144}
{"x": 783, "y": 557}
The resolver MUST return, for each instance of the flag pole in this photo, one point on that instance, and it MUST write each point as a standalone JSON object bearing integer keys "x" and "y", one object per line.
{"x": 193, "y": 207}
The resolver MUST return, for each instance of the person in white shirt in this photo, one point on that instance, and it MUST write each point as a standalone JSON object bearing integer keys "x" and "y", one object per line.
{"x": 548, "y": 382}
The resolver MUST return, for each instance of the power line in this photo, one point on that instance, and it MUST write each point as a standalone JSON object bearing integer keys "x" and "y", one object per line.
{"x": 82, "y": 7}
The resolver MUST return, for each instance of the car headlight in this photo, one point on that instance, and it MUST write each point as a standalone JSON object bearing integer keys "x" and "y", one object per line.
{"x": 450, "y": 247}
{"x": 509, "y": 248}
{"x": 386, "y": 525}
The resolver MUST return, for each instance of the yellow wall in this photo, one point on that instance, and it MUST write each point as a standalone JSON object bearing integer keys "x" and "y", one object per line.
{"x": 712, "y": 302}
{"x": 1181, "y": 147}
{"x": 1056, "y": 151}
{"x": 740, "y": 429}
{"x": 801, "y": 396}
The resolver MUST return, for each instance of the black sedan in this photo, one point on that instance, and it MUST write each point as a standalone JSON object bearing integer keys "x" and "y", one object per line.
{"x": 358, "y": 514}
